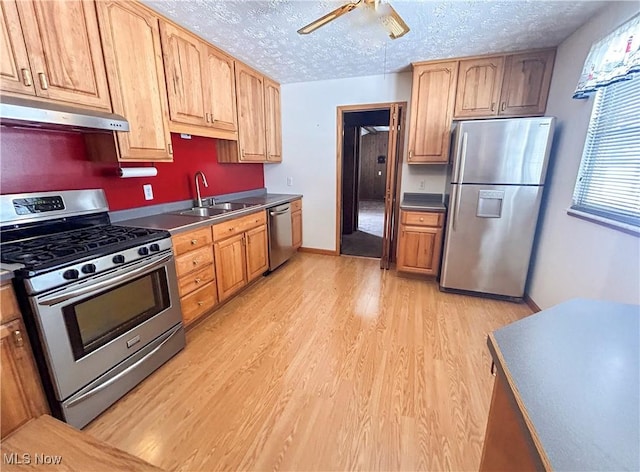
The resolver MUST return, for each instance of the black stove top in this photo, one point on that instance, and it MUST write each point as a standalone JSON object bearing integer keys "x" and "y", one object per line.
{"x": 48, "y": 251}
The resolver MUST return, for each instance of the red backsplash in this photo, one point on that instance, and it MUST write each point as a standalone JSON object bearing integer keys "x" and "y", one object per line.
{"x": 38, "y": 161}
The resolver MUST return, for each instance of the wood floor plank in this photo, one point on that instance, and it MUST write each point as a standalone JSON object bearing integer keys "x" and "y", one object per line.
{"x": 329, "y": 363}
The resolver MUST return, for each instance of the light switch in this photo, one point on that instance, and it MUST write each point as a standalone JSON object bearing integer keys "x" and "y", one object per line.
{"x": 289, "y": 181}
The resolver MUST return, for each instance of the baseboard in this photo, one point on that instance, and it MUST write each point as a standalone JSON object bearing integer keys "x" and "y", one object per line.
{"x": 313, "y": 250}
{"x": 527, "y": 299}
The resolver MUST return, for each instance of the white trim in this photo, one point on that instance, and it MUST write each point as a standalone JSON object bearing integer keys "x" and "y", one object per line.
{"x": 604, "y": 221}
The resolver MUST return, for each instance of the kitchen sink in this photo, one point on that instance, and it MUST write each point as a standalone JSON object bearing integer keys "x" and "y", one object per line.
{"x": 230, "y": 206}
{"x": 203, "y": 211}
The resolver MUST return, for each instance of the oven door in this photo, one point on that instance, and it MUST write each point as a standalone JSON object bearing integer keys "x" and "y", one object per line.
{"x": 92, "y": 325}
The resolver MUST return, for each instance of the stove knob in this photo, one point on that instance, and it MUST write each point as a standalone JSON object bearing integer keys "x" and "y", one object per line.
{"x": 154, "y": 247}
{"x": 71, "y": 274}
{"x": 119, "y": 259}
{"x": 88, "y": 268}
{"x": 143, "y": 251}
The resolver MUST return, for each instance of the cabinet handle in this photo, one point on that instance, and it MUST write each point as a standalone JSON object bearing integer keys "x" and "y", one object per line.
{"x": 242, "y": 153}
{"x": 493, "y": 106}
{"x": 26, "y": 77}
{"x": 194, "y": 242}
{"x": 170, "y": 148}
{"x": 421, "y": 219}
{"x": 198, "y": 280}
{"x": 195, "y": 262}
{"x": 43, "y": 81}
{"x": 208, "y": 117}
{"x": 504, "y": 106}
{"x": 410, "y": 154}
{"x": 200, "y": 303}
{"x": 493, "y": 368}
{"x": 17, "y": 336}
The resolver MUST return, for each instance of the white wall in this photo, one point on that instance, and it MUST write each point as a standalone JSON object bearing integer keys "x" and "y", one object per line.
{"x": 574, "y": 257}
{"x": 309, "y": 131}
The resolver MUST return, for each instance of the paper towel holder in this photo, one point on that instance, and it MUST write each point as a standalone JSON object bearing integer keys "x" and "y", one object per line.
{"x": 132, "y": 172}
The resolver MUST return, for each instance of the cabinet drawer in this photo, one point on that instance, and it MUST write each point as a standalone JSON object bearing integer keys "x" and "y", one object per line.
{"x": 296, "y": 205}
{"x": 194, "y": 280}
{"x": 198, "y": 303}
{"x": 420, "y": 218}
{"x": 8, "y": 305}
{"x": 193, "y": 260}
{"x": 192, "y": 240}
{"x": 238, "y": 225}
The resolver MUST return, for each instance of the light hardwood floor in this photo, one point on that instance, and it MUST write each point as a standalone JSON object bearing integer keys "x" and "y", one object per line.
{"x": 327, "y": 364}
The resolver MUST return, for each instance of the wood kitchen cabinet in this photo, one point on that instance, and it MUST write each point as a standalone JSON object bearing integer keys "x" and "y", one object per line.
{"x": 432, "y": 101}
{"x": 133, "y": 57}
{"x": 200, "y": 85}
{"x": 420, "y": 242}
{"x": 296, "y": 223}
{"x": 241, "y": 252}
{"x": 478, "y": 87}
{"x": 525, "y": 87}
{"x": 273, "y": 121}
{"x": 196, "y": 275}
{"x": 52, "y": 50}
{"x": 21, "y": 394}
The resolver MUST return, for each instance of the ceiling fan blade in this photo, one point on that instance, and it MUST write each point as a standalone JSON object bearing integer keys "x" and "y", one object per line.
{"x": 338, "y": 12}
{"x": 394, "y": 23}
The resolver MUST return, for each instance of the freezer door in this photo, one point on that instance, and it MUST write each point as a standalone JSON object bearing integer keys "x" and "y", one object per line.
{"x": 489, "y": 238}
{"x": 514, "y": 151}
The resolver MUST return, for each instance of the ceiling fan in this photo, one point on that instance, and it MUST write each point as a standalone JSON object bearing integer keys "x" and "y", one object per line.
{"x": 389, "y": 18}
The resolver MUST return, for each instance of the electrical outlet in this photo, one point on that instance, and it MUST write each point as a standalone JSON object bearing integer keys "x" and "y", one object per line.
{"x": 148, "y": 192}
{"x": 289, "y": 181}
{"x": 422, "y": 184}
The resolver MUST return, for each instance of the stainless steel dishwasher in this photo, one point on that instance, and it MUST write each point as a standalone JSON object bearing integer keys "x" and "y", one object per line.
{"x": 280, "y": 237}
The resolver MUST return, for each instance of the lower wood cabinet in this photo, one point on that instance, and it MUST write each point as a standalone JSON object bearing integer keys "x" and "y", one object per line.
{"x": 21, "y": 394}
{"x": 196, "y": 275}
{"x": 296, "y": 223}
{"x": 420, "y": 242}
{"x": 241, "y": 252}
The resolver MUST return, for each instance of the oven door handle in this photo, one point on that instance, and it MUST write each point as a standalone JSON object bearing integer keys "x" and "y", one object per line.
{"x": 121, "y": 374}
{"x": 129, "y": 275}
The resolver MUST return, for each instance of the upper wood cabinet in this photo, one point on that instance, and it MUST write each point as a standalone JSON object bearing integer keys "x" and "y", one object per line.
{"x": 525, "y": 87}
{"x": 133, "y": 57}
{"x": 432, "y": 100}
{"x": 59, "y": 56}
{"x": 273, "y": 121}
{"x": 478, "y": 89}
{"x": 200, "y": 85}
{"x": 251, "y": 117}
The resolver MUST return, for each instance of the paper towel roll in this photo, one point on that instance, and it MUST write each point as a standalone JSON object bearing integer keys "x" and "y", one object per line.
{"x": 127, "y": 172}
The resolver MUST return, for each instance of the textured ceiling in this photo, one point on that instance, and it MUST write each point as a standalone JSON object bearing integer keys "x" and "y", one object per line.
{"x": 263, "y": 33}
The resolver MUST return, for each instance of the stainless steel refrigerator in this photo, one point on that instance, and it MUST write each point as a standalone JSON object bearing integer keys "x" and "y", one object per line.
{"x": 497, "y": 181}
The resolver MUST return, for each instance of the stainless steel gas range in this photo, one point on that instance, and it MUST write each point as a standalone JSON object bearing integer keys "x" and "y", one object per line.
{"x": 100, "y": 301}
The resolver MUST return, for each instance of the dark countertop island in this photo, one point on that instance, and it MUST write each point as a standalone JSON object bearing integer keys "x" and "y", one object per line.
{"x": 573, "y": 371}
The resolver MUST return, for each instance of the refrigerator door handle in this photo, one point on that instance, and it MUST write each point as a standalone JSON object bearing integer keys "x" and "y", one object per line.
{"x": 456, "y": 206}
{"x": 463, "y": 157}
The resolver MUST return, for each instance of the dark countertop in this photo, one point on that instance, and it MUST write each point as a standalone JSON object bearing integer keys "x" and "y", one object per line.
{"x": 5, "y": 275}
{"x": 175, "y": 223}
{"x": 576, "y": 368}
{"x": 423, "y": 202}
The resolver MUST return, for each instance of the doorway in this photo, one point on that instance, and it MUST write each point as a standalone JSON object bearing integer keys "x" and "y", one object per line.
{"x": 369, "y": 156}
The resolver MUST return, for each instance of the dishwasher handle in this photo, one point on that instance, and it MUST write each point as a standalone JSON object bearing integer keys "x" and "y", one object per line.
{"x": 280, "y": 212}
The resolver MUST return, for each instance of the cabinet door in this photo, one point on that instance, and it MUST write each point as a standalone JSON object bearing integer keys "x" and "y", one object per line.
{"x": 419, "y": 249}
{"x": 220, "y": 88}
{"x": 184, "y": 70}
{"x": 136, "y": 78}
{"x": 525, "y": 87}
{"x": 273, "y": 121}
{"x": 296, "y": 226}
{"x": 478, "y": 89}
{"x": 15, "y": 70}
{"x": 21, "y": 393}
{"x": 250, "y": 97}
{"x": 230, "y": 266}
{"x": 63, "y": 43}
{"x": 432, "y": 100}
{"x": 257, "y": 245}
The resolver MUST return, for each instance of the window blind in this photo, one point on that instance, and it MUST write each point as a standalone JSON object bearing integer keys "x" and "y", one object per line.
{"x": 608, "y": 183}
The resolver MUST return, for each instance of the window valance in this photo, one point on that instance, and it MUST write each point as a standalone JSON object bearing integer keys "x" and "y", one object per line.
{"x": 614, "y": 58}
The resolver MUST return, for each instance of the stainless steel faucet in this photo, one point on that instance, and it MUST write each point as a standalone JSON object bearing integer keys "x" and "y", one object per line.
{"x": 204, "y": 181}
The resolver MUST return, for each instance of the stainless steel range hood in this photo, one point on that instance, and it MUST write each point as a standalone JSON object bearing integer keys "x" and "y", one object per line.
{"x": 32, "y": 113}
